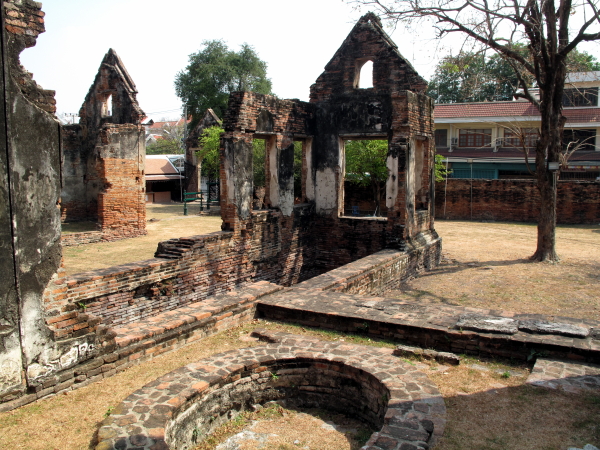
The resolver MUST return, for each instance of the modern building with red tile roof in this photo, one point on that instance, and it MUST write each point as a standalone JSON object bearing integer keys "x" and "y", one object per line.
{"x": 485, "y": 139}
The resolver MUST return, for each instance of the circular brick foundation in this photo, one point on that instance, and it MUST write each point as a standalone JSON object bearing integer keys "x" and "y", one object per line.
{"x": 181, "y": 408}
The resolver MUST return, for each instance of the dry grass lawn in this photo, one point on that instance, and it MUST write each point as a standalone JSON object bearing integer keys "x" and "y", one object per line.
{"x": 164, "y": 222}
{"x": 486, "y": 266}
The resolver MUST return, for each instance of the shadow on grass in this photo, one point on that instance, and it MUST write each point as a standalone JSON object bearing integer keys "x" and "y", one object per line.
{"x": 449, "y": 267}
{"x": 524, "y": 416}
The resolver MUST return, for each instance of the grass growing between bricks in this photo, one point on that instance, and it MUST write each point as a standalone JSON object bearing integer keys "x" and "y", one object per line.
{"x": 487, "y": 410}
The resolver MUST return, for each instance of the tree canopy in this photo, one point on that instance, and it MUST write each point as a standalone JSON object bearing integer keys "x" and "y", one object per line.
{"x": 214, "y": 72}
{"x": 477, "y": 77}
{"x": 550, "y": 30}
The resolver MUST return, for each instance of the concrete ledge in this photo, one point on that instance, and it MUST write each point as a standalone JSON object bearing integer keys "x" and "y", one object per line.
{"x": 179, "y": 409}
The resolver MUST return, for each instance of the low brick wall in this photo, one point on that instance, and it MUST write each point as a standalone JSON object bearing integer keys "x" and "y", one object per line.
{"x": 578, "y": 202}
{"x": 89, "y": 313}
{"x": 178, "y": 409}
{"x": 91, "y": 237}
{"x": 85, "y": 237}
{"x": 129, "y": 345}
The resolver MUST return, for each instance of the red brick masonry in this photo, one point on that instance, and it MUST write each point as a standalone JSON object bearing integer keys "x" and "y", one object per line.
{"x": 178, "y": 409}
{"x": 578, "y": 202}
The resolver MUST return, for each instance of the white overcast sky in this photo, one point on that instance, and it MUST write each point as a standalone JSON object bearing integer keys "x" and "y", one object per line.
{"x": 155, "y": 38}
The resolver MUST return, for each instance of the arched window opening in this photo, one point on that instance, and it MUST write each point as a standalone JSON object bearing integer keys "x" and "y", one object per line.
{"x": 107, "y": 107}
{"x": 365, "y": 79}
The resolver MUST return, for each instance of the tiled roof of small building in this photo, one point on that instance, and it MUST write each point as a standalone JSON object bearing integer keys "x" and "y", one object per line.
{"x": 159, "y": 164}
{"x": 509, "y": 109}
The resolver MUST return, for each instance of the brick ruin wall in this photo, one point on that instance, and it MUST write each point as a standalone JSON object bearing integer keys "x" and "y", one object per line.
{"x": 578, "y": 202}
{"x": 96, "y": 323}
{"x": 104, "y": 158}
{"x": 122, "y": 203}
{"x": 106, "y": 184}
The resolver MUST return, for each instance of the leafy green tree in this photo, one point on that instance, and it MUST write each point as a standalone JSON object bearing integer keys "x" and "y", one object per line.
{"x": 366, "y": 166}
{"x": 441, "y": 173}
{"x": 208, "y": 155}
{"x": 216, "y": 71}
{"x": 474, "y": 77}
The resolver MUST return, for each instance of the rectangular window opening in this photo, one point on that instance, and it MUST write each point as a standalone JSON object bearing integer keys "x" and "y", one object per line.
{"x": 580, "y": 97}
{"x": 365, "y": 178}
{"x": 298, "y": 198}
{"x": 579, "y": 139}
{"x": 259, "y": 161}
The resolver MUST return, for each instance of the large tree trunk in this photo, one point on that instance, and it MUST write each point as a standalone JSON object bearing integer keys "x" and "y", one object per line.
{"x": 548, "y": 149}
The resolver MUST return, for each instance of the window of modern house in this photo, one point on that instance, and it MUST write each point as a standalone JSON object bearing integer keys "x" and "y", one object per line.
{"x": 580, "y": 97}
{"x": 585, "y": 139}
{"x": 475, "y": 138}
{"x": 441, "y": 138}
{"x": 513, "y": 138}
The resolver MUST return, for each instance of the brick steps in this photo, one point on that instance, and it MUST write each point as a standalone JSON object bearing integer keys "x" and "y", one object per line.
{"x": 185, "y": 320}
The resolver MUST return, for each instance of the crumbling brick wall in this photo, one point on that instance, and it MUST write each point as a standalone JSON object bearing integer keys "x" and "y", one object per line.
{"x": 104, "y": 156}
{"x": 578, "y": 202}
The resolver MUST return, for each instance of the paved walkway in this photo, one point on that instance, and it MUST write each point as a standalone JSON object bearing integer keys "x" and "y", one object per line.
{"x": 445, "y": 328}
{"x": 568, "y": 376}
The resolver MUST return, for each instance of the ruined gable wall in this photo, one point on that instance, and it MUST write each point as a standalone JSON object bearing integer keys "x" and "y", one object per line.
{"x": 105, "y": 156}
{"x": 29, "y": 192}
{"x": 367, "y": 41}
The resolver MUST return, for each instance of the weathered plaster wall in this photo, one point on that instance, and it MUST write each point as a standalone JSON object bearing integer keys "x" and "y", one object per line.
{"x": 29, "y": 214}
{"x": 81, "y": 181}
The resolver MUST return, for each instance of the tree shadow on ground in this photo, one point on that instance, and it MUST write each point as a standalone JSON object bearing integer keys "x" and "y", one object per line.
{"x": 449, "y": 266}
{"x": 512, "y": 418}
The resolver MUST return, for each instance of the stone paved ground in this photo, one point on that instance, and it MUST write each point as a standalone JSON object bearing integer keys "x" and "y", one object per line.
{"x": 433, "y": 326}
{"x": 569, "y": 376}
{"x": 171, "y": 412}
